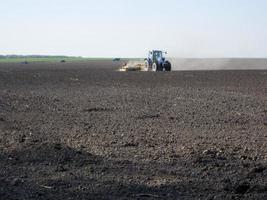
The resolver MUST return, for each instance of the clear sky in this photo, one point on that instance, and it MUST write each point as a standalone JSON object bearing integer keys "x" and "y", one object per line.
{"x": 129, "y": 28}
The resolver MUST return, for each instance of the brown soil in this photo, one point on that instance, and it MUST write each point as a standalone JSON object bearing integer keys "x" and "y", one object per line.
{"x": 86, "y": 131}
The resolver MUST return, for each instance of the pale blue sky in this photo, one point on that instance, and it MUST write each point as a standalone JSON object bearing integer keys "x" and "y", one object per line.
{"x": 129, "y": 28}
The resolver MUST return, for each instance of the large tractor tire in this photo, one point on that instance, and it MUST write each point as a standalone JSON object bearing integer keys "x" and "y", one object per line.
{"x": 157, "y": 67}
{"x": 154, "y": 67}
{"x": 167, "y": 66}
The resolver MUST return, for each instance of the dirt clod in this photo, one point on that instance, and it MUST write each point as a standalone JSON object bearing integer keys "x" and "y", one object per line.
{"x": 242, "y": 188}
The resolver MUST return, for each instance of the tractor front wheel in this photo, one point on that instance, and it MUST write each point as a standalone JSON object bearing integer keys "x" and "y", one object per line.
{"x": 154, "y": 67}
{"x": 146, "y": 67}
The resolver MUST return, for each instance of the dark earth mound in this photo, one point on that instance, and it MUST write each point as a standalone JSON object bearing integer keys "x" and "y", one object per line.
{"x": 86, "y": 131}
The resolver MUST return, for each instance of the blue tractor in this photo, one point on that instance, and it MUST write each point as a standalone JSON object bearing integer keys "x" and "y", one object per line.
{"x": 157, "y": 62}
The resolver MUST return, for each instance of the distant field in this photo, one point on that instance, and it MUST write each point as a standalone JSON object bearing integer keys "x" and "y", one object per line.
{"x": 48, "y": 59}
{"x": 177, "y": 63}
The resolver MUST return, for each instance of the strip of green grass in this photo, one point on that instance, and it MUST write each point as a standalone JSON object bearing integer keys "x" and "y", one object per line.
{"x": 49, "y": 59}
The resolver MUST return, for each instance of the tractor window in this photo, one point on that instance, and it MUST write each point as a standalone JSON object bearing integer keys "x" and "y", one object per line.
{"x": 158, "y": 54}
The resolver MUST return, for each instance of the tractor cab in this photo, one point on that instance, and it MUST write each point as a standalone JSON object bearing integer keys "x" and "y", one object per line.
{"x": 154, "y": 56}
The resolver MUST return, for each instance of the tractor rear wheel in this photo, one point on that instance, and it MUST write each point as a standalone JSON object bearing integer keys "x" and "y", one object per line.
{"x": 167, "y": 66}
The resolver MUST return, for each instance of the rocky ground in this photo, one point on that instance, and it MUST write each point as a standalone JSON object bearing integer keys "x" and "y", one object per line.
{"x": 86, "y": 131}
